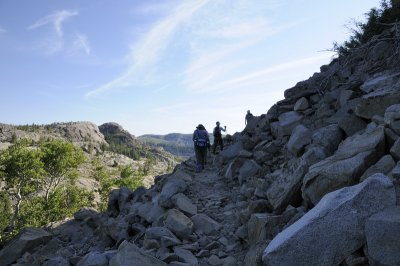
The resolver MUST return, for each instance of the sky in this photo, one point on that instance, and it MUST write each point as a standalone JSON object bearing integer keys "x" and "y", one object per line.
{"x": 159, "y": 67}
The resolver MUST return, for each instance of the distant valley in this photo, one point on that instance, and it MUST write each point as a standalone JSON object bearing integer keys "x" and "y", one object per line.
{"x": 175, "y": 143}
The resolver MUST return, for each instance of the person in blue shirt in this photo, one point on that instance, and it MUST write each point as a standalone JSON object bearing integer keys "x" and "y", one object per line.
{"x": 201, "y": 142}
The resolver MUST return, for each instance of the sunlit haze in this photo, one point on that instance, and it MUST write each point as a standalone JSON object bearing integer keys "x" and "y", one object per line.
{"x": 161, "y": 66}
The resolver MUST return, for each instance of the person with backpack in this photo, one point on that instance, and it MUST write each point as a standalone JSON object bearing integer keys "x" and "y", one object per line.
{"x": 218, "y": 137}
{"x": 201, "y": 143}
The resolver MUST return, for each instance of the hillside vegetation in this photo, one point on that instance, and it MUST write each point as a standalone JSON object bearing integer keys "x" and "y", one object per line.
{"x": 378, "y": 20}
{"x": 49, "y": 172}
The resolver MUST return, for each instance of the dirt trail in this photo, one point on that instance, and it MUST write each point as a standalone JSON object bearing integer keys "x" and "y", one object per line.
{"x": 218, "y": 198}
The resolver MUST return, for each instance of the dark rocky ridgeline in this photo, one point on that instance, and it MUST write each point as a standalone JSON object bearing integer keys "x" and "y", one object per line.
{"x": 312, "y": 182}
{"x": 116, "y": 132}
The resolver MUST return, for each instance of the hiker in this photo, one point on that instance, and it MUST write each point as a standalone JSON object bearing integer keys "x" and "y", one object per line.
{"x": 249, "y": 117}
{"x": 201, "y": 142}
{"x": 218, "y": 137}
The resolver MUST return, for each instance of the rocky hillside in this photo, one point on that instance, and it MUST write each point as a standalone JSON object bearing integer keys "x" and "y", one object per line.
{"x": 312, "y": 182}
{"x": 109, "y": 143}
{"x": 121, "y": 141}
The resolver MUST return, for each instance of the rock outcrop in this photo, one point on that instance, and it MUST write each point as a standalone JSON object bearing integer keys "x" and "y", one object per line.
{"x": 339, "y": 217}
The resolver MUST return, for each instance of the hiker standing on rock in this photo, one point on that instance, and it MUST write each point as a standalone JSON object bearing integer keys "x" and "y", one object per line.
{"x": 201, "y": 142}
{"x": 218, "y": 137}
{"x": 249, "y": 117}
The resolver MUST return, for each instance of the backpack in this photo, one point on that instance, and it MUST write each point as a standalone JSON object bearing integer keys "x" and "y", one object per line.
{"x": 201, "y": 139}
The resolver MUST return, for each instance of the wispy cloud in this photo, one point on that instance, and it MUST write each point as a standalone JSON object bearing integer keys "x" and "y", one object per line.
{"x": 254, "y": 26}
{"x": 259, "y": 76}
{"x": 2, "y": 30}
{"x": 223, "y": 50}
{"x": 148, "y": 50}
{"x": 54, "y": 42}
{"x": 56, "y": 20}
{"x": 81, "y": 42}
{"x": 212, "y": 33}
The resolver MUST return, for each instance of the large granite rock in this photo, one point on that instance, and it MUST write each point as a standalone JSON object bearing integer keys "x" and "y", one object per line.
{"x": 118, "y": 201}
{"x": 80, "y": 132}
{"x": 232, "y": 151}
{"x": 301, "y": 104}
{"x": 351, "y": 124}
{"x": 392, "y": 118}
{"x": 263, "y": 226}
{"x": 94, "y": 258}
{"x": 396, "y": 171}
{"x": 334, "y": 228}
{"x": 287, "y": 122}
{"x": 395, "y": 149}
{"x": 302, "y": 89}
{"x": 382, "y": 80}
{"x": 345, "y": 96}
{"x": 184, "y": 204}
{"x": 205, "y": 224}
{"x": 178, "y": 223}
{"x": 286, "y": 186}
{"x": 186, "y": 256}
{"x": 163, "y": 235}
{"x": 232, "y": 169}
{"x": 248, "y": 169}
{"x": 173, "y": 186}
{"x": 346, "y": 166}
{"x": 129, "y": 254}
{"x": 298, "y": 140}
{"x": 27, "y": 240}
{"x": 328, "y": 137}
{"x": 115, "y": 131}
{"x": 382, "y": 92}
{"x": 384, "y": 166}
{"x": 383, "y": 237}
{"x": 149, "y": 211}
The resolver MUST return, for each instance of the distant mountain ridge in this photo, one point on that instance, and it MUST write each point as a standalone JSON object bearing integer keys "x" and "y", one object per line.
{"x": 175, "y": 143}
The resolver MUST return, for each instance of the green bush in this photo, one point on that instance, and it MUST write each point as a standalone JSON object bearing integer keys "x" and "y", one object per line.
{"x": 5, "y": 215}
{"x": 48, "y": 170}
{"x": 63, "y": 203}
{"x": 108, "y": 181}
{"x": 377, "y": 20}
{"x": 129, "y": 178}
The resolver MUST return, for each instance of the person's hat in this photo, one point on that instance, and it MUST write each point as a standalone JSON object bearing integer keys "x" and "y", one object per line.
{"x": 200, "y": 126}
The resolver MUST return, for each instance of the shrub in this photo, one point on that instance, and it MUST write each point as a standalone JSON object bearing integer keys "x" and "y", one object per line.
{"x": 377, "y": 20}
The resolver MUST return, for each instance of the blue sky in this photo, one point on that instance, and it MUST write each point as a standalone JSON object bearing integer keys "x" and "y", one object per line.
{"x": 161, "y": 66}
